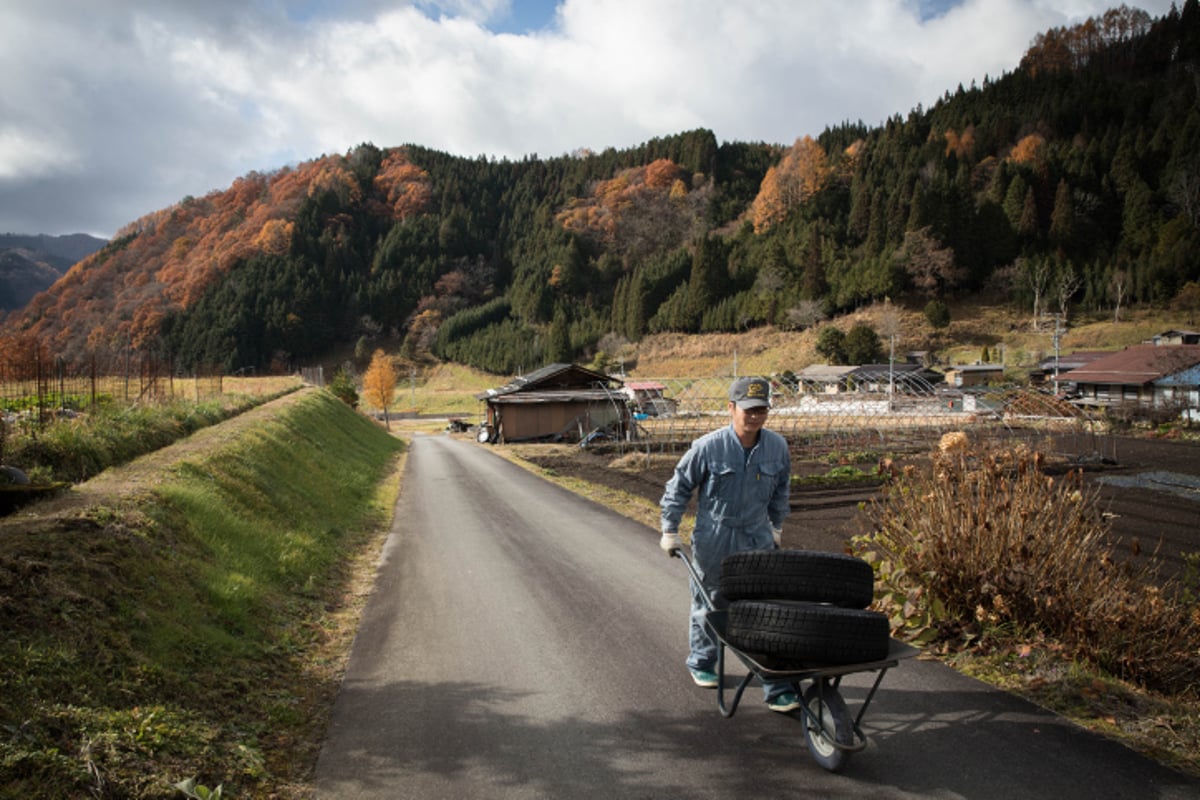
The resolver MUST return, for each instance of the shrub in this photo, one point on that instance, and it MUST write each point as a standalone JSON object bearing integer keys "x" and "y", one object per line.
{"x": 343, "y": 388}
{"x": 937, "y": 314}
{"x": 982, "y": 541}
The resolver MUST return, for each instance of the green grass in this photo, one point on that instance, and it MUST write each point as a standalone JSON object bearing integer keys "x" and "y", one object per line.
{"x": 72, "y": 450}
{"x": 145, "y": 647}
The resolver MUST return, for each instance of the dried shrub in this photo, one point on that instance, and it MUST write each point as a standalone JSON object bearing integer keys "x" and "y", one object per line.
{"x": 982, "y": 540}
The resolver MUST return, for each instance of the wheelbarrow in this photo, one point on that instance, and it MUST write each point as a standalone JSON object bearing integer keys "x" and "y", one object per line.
{"x": 832, "y": 732}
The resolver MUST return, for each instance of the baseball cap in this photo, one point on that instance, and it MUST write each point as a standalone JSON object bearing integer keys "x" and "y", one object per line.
{"x": 750, "y": 392}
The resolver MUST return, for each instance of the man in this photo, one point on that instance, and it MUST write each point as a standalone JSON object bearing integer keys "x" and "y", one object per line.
{"x": 742, "y": 474}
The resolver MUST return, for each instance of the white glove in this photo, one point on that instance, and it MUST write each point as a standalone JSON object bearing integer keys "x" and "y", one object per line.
{"x": 670, "y": 542}
{"x": 777, "y": 533}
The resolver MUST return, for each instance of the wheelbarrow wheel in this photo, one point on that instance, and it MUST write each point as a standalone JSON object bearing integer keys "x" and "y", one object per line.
{"x": 827, "y": 724}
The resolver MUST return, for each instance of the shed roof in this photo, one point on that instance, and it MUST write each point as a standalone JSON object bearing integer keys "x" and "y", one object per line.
{"x": 1137, "y": 365}
{"x": 824, "y": 372}
{"x": 554, "y": 378}
{"x": 975, "y": 368}
{"x": 1074, "y": 360}
{"x": 898, "y": 371}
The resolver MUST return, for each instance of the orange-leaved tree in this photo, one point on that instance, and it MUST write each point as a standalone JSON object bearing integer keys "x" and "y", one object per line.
{"x": 379, "y": 384}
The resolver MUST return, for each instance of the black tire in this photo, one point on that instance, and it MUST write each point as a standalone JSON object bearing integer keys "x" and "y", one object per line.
{"x": 827, "y": 724}
{"x": 808, "y": 634}
{"x": 805, "y": 575}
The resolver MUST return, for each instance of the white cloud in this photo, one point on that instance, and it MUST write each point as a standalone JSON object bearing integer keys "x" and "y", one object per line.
{"x": 141, "y": 104}
{"x": 28, "y": 154}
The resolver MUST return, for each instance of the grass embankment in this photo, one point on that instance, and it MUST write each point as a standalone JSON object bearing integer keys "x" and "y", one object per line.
{"x": 73, "y": 450}
{"x": 186, "y": 632}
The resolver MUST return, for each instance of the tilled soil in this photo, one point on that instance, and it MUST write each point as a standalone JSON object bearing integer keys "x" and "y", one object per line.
{"x": 1154, "y": 512}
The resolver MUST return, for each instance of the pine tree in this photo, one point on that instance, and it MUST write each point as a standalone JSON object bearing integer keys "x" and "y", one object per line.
{"x": 1062, "y": 220}
{"x": 558, "y": 341}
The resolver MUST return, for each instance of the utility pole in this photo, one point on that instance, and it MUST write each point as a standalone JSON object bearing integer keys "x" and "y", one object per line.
{"x": 1057, "y": 339}
{"x": 892, "y": 372}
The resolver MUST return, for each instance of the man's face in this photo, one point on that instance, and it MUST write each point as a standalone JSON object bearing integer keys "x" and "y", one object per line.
{"x": 748, "y": 421}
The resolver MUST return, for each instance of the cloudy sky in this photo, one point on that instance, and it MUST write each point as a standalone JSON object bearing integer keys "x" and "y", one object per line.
{"x": 110, "y": 109}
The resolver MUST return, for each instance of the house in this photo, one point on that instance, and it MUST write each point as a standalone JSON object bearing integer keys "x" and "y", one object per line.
{"x": 1150, "y": 376}
{"x": 559, "y": 402}
{"x": 963, "y": 375}
{"x": 647, "y": 398}
{"x": 1175, "y": 337}
{"x": 1047, "y": 368}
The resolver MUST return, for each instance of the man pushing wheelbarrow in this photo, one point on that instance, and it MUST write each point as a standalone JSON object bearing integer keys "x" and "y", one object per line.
{"x": 790, "y": 616}
{"x": 741, "y": 475}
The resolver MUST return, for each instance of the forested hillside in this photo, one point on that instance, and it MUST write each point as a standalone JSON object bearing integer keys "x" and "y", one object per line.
{"x": 1072, "y": 181}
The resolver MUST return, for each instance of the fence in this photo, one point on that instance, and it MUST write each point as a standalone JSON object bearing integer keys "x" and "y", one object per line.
{"x": 38, "y": 388}
{"x": 874, "y": 412}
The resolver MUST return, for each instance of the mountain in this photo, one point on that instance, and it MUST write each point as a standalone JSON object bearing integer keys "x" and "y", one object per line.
{"x": 1073, "y": 181}
{"x": 31, "y": 264}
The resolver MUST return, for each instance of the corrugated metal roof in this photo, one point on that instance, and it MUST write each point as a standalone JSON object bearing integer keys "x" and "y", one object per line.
{"x": 563, "y": 396}
{"x": 975, "y": 368}
{"x": 1137, "y": 365}
{"x": 821, "y": 372}
{"x": 1074, "y": 360}
{"x": 553, "y": 377}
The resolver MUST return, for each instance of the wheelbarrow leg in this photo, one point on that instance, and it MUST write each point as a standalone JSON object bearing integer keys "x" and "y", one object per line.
{"x": 728, "y": 711}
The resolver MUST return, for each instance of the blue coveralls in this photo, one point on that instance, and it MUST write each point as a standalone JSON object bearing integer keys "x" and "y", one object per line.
{"x": 741, "y": 495}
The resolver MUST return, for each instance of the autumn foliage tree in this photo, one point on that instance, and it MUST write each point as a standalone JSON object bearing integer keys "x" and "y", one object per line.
{"x": 801, "y": 173}
{"x": 379, "y": 384}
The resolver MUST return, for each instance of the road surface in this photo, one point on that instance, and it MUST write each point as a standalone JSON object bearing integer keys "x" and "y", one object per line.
{"x": 522, "y": 642}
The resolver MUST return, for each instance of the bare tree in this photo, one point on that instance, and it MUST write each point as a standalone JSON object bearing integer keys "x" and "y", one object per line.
{"x": 805, "y": 314}
{"x": 930, "y": 265}
{"x": 889, "y": 321}
{"x": 1068, "y": 283}
{"x": 1037, "y": 277}
{"x": 1184, "y": 191}
{"x": 1118, "y": 287}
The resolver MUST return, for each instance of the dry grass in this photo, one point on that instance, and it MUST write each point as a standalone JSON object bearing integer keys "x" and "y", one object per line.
{"x": 997, "y": 544}
{"x": 1009, "y": 574}
{"x": 1001, "y": 329}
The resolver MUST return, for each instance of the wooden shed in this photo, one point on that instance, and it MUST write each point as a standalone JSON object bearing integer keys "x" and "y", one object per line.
{"x": 557, "y": 403}
{"x": 961, "y": 375}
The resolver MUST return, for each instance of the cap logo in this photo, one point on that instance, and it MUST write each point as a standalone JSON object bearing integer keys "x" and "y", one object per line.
{"x": 756, "y": 389}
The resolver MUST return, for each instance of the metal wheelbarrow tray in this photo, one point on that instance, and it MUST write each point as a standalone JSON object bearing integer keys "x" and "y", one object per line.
{"x": 831, "y": 732}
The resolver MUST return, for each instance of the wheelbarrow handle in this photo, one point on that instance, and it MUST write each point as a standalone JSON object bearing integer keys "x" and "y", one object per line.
{"x": 677, "y": 552}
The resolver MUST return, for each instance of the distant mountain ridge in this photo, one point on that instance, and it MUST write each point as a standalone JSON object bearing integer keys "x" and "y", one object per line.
{"x": 32, "y": 263}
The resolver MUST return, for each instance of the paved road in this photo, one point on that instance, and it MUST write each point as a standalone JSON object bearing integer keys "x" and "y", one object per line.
{"x": 525, "y": 643}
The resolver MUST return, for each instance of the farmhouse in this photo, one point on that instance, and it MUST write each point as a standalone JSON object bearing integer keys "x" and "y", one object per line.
{"x": 1176, "y": 337}
{"x": 1049, "y": 367}
{"x": 1149, "y": 376}
{"x": 560, "y": 402}
{"x": 962, "y": 375}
